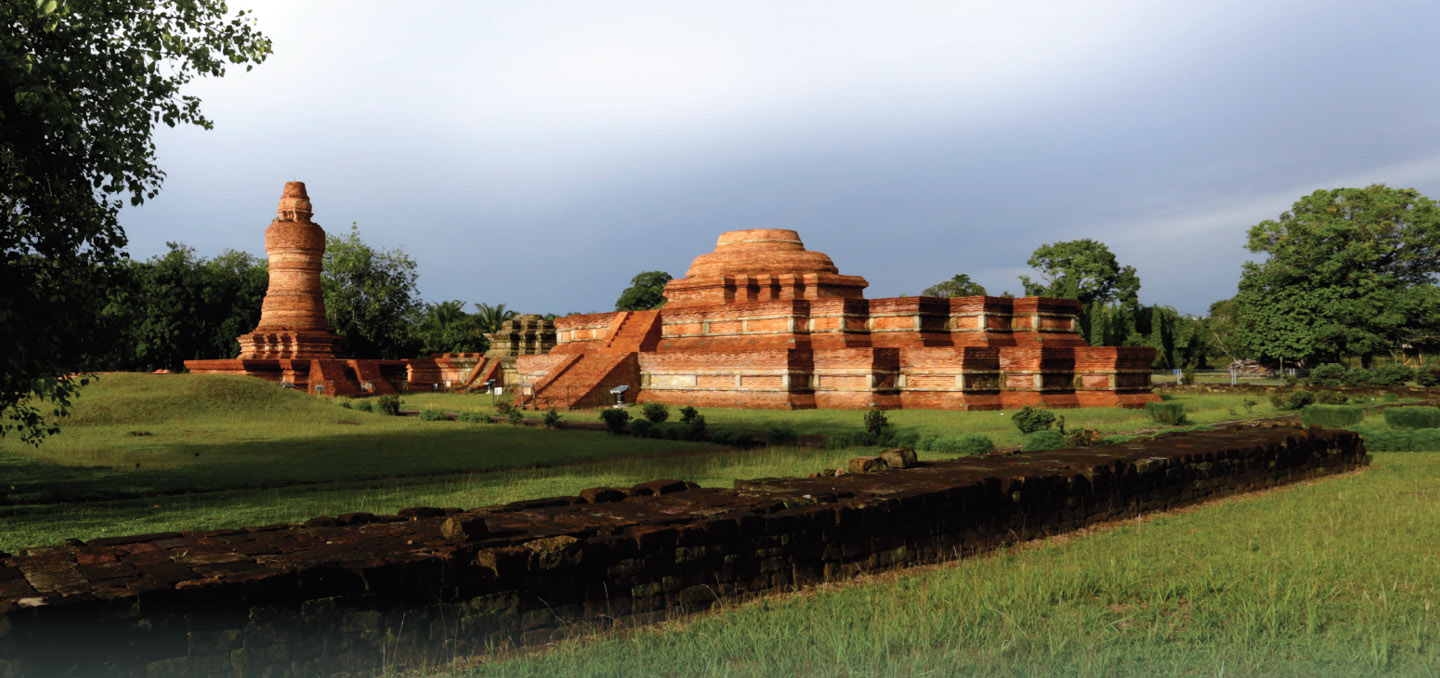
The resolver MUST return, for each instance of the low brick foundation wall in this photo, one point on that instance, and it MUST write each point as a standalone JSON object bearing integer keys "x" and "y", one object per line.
{"x": 364, "y": 593}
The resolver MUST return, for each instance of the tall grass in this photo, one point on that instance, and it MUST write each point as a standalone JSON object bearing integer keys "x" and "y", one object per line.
{"x": 1338, "y": 577}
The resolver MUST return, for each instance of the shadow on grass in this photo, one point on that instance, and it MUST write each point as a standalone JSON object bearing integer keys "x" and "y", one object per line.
{"x": 195, "y": 467}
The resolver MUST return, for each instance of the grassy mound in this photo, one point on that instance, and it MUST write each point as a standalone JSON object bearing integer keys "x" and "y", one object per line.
{"x": 123, "y": 398}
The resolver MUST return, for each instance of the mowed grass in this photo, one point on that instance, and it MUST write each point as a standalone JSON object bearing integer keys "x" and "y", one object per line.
{"x": 140, "y": 435}
{"x": 1335, "y": 577}
{"x": 1200, "y": 408}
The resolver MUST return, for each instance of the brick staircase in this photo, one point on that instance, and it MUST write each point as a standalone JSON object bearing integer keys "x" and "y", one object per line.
{"x": 585, "y": 379}
{"x": 485, "y": 370}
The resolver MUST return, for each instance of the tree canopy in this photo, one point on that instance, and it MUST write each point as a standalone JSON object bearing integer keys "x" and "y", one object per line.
{"x": 1084, "y": 270}
{"x": 958, "y": 286}
{"x": 82, "y": 85}
{"x": 1349, "y": 272}
{"x": 370, "y": 296}
{"x": 646, "y": 291}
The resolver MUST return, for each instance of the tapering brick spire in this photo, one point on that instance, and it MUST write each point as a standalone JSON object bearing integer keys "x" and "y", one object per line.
{"x": 292, "y": 318}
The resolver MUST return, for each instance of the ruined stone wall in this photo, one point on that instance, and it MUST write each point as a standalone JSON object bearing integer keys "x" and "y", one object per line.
{"x": 365, "y": 593}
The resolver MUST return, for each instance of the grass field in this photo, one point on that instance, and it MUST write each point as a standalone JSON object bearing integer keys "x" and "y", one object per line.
{"x": 1338, "y": 576}
{"x": 1202, "y": 409}
{"x": 1335, "y": 577}
{"x": 146, "y": 453}
{"x": 141, "y": 435}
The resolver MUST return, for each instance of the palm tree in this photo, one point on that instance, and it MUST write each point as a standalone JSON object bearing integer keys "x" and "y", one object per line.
{"x": 489, "y": 318}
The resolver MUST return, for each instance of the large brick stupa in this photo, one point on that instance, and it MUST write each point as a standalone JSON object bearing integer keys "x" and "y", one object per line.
{"x": 763, "y": 322}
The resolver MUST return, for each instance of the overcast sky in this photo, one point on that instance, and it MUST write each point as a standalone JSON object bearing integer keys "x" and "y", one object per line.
{"x": 540, "y": 154}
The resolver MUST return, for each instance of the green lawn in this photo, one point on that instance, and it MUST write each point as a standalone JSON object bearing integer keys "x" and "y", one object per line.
{"x": 1201, "y": 408}
{"x": 145, "y": 453}
{"x": 140, "y": 434}
{"x": 1336, "y": 577}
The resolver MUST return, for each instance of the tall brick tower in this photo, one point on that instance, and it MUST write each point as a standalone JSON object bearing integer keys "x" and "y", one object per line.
{"x": 292, "y": 318}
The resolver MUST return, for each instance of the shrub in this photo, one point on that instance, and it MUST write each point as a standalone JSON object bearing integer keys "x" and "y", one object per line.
{"x": 474, "y": 418}
{"x": 1402, "y": 440}
{"x": 1293, "y": 400}
{"x": 776, "y": 436}
{"x": 363, "y": 405}
{"x": 1332, "y": 416}
{"x": 1429, "y": 377}
{"x": 926, "y": 442}
{"x": 1083, "y": 437}
{"x": 1030, "y": 419}
{"x": 1166, "y": 413}
{"x": 1412, "y": 417}
{"x": 552, "y": 419}
{"x": 970, "y": 444}
{"x": 731, "y": 437}
{"x": 1390, "y": 397}
{"x": 1391, "y": 375}
{"x": 908, "y": 439}
{"x": 876, "y": 422}
{"x": 345, "y": 404}
{"x": 655, "y": 412}
{"x": 640, "y": 428}
{"x": 503, "y": 405}
{"x": 1331, "y": 398}
{"x": 688, "y": 414}
{"x": 1044, "y": 440}
{"x": 1329, "y": 374}
{"x": 615, "y": 419}
{"x": 430, "y": 414}
{"x": 695, "y": 428}
{"x": 1358, "y": 378}
{"x": 515, "y": 416}
{"x": 387, "y": 404}
{"x": 1187, "y": 376}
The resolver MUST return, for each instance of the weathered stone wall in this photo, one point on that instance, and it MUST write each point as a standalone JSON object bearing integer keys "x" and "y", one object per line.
{"x": 364, "y": 593}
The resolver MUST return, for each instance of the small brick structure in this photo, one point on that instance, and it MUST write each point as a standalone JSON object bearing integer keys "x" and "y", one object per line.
{"x": 363, "y": 593}
{"x": 762, "y": 322}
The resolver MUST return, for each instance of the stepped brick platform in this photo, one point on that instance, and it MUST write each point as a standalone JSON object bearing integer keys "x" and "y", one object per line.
{"x": 363, "y": 593}
{"x": 294, "y": 344}
{"x": 762, "y": 322}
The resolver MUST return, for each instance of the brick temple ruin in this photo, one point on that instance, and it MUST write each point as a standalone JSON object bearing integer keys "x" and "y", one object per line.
{"x": 762, "y": 322}
{"x": 294, "y": 344}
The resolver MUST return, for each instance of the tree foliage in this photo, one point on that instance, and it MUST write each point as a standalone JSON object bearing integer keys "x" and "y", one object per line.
{"x": 179, "y": 306}
{"x": 370, "y": 296}
{"x": 958, "y": 286}
{"x": 646, "y": 291}
{"x": 1350, "y": 272}
{"x": 82, "y": 85}
{"x": 445, "y": 327}
{"x": 490, "y": 317}
{"x": 1084, "y": 270}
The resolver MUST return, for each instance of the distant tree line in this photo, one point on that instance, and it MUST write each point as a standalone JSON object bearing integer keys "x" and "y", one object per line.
{"x": 1348, "y": 273}
{"x": 180, "y": 306}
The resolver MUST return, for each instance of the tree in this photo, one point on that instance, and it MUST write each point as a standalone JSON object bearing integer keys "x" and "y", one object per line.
{"x": 646, "y": 291}
{"x": 82, "y": 86}
{"x": 958, "y": 286}
{"x": 446, "y": 328}
{"x": 1084, "y": 270}
{"x": 369, "y": 296}
{"x": 1350, "y": 272}
{"x": 489, "y": 318}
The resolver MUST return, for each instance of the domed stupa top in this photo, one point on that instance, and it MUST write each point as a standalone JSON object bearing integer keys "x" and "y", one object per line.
{"x": 761, "y": 264}
{"x": 760, "y": 250}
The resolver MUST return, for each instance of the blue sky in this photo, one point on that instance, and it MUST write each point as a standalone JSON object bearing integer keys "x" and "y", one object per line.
{"x": 541, "y": 154}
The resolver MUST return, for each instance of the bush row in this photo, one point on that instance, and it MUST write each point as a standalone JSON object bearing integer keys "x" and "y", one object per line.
{"x": 1385, "y": 376}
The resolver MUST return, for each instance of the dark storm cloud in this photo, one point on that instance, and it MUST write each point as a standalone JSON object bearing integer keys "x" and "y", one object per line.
{"x": 542, "y": 157}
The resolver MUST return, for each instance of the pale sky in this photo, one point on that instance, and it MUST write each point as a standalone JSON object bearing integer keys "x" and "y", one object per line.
{"x": 540, "y": 154}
